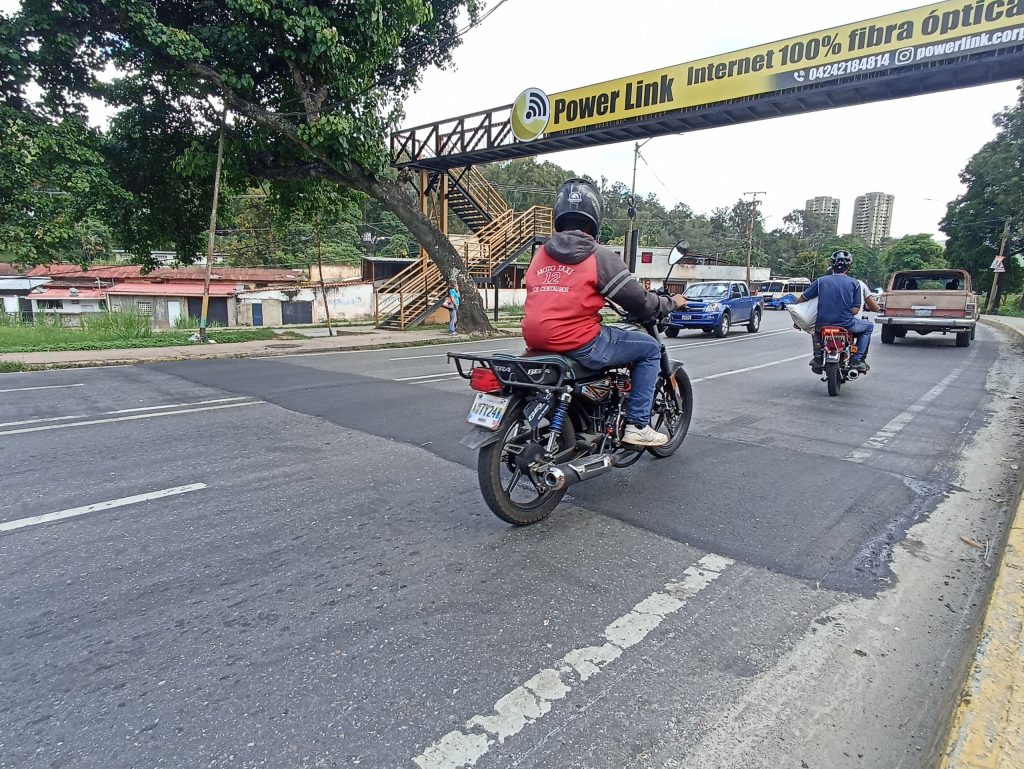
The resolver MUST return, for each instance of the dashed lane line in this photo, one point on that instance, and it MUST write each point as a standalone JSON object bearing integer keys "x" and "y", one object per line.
{"x": 41, "y": 428}
{"x": 42, "y": 387}
{"x": 40, "y": 420}
{"x": 895, "y": 425}
{"x": 528, "y": 703}
{"x": 73, "y": 512}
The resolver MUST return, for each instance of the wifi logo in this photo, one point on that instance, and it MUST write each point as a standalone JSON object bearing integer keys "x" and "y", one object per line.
{"x": 530, "y": 114}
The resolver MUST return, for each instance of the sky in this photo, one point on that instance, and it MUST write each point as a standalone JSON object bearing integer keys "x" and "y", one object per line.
{"x": 912, "y": 148}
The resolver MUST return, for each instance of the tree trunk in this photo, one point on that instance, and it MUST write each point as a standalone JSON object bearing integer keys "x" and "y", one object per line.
{"x": 350, "y": 173}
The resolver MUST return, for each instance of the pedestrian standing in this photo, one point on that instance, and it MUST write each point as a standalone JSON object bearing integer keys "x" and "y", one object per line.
{"x": 451, "y": 303}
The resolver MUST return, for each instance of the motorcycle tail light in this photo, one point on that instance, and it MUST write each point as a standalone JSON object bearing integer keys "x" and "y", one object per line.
{"x": 484, "y": 380}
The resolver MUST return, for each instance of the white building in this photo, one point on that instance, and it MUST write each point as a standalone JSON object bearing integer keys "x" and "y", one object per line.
{"x": 821, "y": 216}
{"x": 872, "y": 217}
{"x": 68, "y": 304}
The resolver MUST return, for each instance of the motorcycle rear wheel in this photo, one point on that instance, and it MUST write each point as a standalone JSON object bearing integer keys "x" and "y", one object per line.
{"x": 833, "y": 378}
{"x": 509, "y": 492}
{"x": 666, "y": 417}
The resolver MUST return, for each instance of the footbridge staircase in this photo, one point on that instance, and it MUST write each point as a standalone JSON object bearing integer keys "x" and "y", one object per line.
{"x": 498, "y": 235}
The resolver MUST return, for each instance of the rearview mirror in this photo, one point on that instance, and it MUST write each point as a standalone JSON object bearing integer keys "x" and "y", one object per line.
{"x": 679, "y": 250}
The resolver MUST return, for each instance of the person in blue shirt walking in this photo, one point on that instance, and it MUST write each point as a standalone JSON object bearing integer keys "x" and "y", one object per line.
{"x": 839, "y": 302}
{"x": 451, "y": 303}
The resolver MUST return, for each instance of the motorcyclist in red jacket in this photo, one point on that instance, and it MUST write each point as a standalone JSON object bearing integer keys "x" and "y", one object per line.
{"x": 567, "y": 283}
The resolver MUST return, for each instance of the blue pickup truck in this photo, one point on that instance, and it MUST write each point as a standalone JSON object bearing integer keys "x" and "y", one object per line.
{"x": 715, "y": 306}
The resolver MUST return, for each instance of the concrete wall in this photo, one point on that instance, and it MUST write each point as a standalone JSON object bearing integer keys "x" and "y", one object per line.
{"x": 351, "y": 302}
{"x": 335, "y": 273}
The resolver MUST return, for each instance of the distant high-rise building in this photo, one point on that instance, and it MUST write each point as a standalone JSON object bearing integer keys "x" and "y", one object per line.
{"x": 821, "y": 216}
{"x": 872, "y": 217}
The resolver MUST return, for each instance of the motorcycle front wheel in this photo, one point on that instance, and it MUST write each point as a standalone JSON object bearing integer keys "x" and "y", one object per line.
{"x": 669, "y": 417}
{"x": 833, "y": 378}
{"x": 507, "y": 488}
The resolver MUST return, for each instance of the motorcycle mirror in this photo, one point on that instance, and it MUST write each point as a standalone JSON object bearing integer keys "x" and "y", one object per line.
{"x": 679, "y": 250}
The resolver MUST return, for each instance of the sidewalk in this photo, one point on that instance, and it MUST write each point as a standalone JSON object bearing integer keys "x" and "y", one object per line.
{"x": 361, "y": 338}
{"x": 988, "y": 725}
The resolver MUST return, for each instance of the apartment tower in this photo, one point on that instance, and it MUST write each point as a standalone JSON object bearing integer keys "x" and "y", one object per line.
{"x": 821, "y": 216}
{"x": 872, "y": 217}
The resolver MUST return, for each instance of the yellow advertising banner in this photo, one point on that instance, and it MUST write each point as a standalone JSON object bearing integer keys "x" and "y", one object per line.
{"x": 930, "y": 34}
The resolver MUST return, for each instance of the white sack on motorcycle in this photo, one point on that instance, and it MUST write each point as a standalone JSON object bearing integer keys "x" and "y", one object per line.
{"x": 804, "y": 315}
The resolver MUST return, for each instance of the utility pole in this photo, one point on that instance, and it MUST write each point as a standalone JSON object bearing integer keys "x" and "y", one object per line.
{"x": 213, "y": 227}
{"x": 320, "y": 268}
{"x": 754, "y": 202}
{"x": 629, "y": 250}
{"x": 998, "y": 268}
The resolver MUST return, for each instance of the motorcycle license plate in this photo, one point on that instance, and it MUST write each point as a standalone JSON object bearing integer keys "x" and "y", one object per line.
{"x": 487, "y": 411}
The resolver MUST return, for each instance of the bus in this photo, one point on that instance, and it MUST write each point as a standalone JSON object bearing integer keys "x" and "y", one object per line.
{"x": 778, "y": 292}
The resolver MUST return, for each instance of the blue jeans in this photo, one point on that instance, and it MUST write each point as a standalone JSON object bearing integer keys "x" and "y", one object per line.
{"x": 453, "y": 316}
{"x": 641, "y": 352}
{"x": 861, "y": 330}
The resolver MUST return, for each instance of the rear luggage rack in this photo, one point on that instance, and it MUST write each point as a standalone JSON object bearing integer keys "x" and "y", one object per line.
{"x": 535, "y": 373}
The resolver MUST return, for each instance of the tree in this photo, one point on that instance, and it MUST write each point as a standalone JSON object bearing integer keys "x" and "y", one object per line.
{"x": 912, "y": 252}
{"x": 316, "y": 103}
{"x": 993, "y": 201}
{"x": 56, "y": 194}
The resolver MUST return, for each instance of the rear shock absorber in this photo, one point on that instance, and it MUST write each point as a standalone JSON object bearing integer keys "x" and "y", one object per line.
{"x": 558, "y": 419}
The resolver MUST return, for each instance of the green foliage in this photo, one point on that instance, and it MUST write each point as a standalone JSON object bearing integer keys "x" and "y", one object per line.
{"x": 104, "y": 331}
{"x": 975, "y": 221}
{"x": 57, "y": 196}
{"x": 912, "y": 252}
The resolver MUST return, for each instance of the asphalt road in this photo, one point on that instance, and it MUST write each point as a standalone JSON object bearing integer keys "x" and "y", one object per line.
{"x": 292, "y": 567}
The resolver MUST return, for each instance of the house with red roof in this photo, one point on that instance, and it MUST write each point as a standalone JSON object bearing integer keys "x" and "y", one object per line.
{"x": 69, "y": 304}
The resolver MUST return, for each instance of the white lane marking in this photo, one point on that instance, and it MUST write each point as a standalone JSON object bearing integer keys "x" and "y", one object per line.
{"x": 746, "y": 338}
{"x": 427, "y": 376}
{"x": 442, "y": 355}
{"x": 39, "y": 420}
{"x": 746, "y": 369}
{"x": 177, "y": 405}
{"x": 127, "y": 418}
{"x": 897, "y": 423}
{"x": 44, "y": 387}
{"x": 528, "y": 703}
{"x": 75, "y": 511}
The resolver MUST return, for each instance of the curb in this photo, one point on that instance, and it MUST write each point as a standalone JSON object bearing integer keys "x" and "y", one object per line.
{"x": 264, "y": 353}
{"x": 987, "y": 729}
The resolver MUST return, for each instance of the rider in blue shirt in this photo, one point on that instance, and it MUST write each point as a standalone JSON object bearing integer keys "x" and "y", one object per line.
{"x": 839, "y": 302}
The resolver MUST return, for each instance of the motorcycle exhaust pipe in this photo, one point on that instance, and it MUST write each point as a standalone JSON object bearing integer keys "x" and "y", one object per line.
{"x": 852, "y": 374}
{"x": 562, "y": 476}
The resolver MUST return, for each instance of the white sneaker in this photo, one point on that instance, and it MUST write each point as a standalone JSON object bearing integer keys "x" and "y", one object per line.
{"x": 644, "y": 436}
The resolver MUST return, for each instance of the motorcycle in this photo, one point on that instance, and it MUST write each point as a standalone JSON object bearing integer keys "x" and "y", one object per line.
{"x": 837, "y": 346}
{"x": 542, "y": 422}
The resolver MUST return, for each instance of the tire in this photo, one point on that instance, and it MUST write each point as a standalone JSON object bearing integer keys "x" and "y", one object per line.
{"x": 672, "y": 331}
{"x": 901, "y": 333}
{"x": 888, "y": 335}
{"x": 664, "y": 417}
{"x": 755, "y": 321}
{"x": 832, "y": 377}
{"x": 498, "y": 491}
{"x": 722, "y": 329}
{"x": 964, "y": 339}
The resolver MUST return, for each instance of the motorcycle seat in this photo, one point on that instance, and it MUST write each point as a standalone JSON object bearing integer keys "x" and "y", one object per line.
{"x": 574, "y": 369}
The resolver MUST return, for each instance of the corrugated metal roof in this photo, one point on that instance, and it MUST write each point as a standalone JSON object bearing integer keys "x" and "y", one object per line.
{"x": 180, "y": 288}
{"x": 127, "y": 272}
{"x": 66, "y": 293}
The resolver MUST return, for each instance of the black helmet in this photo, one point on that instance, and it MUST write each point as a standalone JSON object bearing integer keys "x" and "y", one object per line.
{"x": 841, "y": 261}
{"x": 578, "y": 205}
